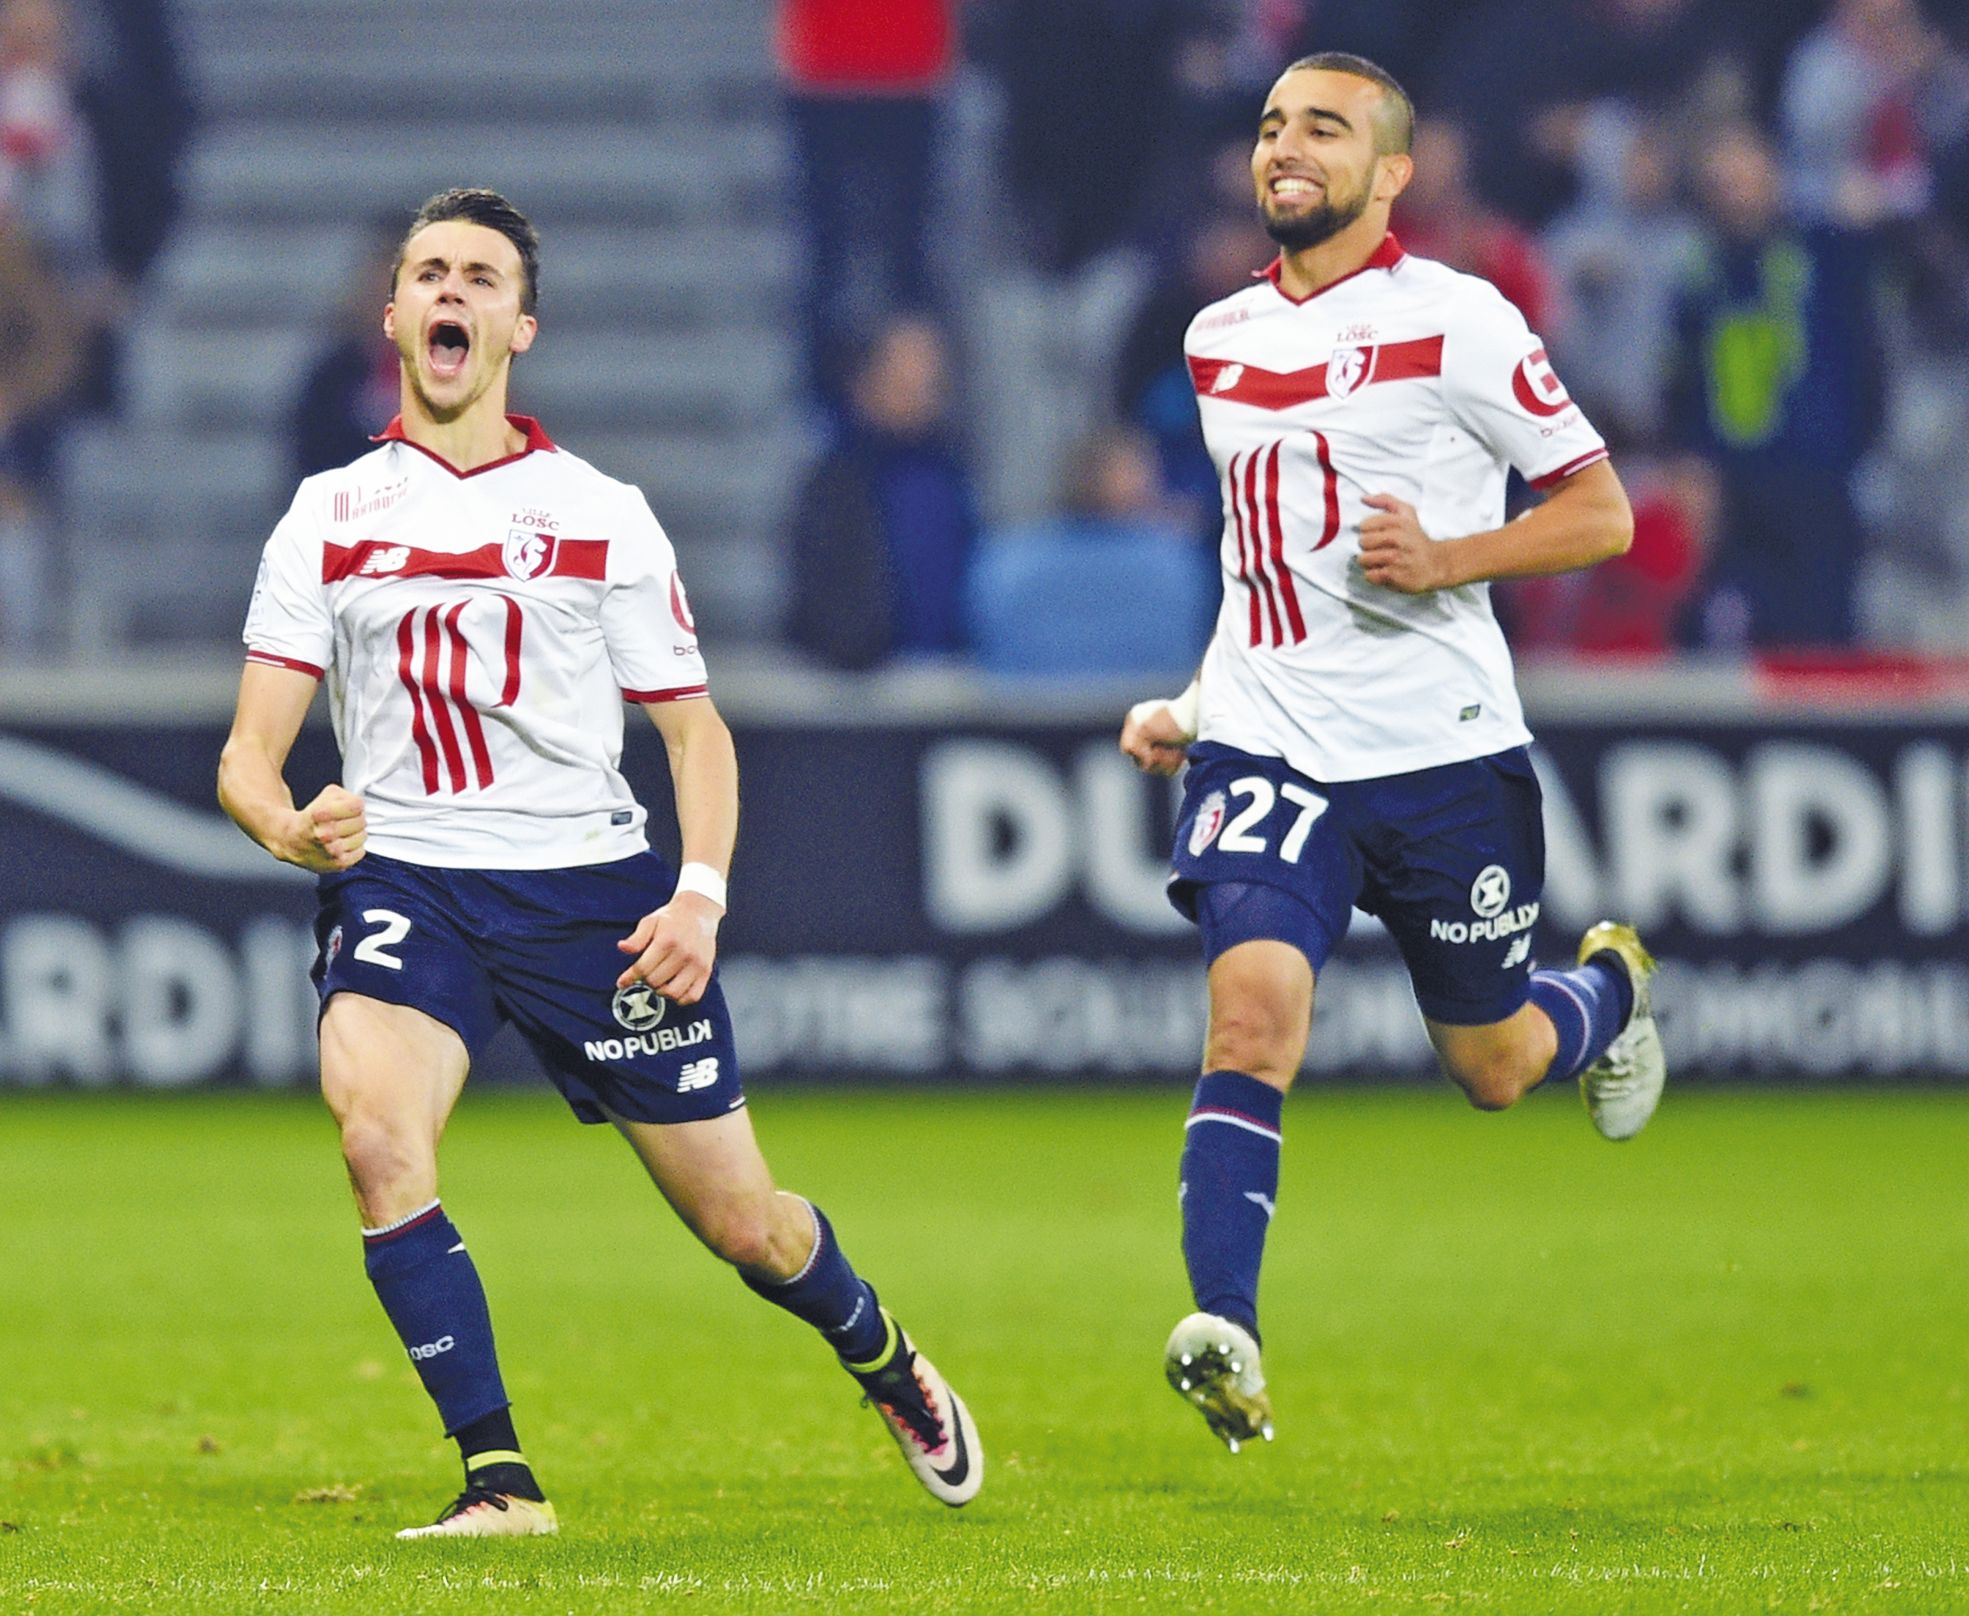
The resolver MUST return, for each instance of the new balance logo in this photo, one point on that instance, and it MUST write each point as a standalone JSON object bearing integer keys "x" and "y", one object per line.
{"x": 430, "y": 1349}
{"x": 1517, "y": 953}
{"x": 698, "y": 1074}
{"x": 388, "y": 559}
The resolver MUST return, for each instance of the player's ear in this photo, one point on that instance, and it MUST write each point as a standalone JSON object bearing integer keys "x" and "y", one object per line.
{"x": 523, "y": 333}
{"x": 1396, "y": 169}
{"x": 390, "y": 320}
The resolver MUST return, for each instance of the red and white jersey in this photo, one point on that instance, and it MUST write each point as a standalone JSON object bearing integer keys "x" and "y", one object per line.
{"x": 1404, "y": 378}
{"x": 480, "y": 632}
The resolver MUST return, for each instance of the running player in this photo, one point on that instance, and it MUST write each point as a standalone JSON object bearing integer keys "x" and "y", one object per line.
{"x": 1354, "y": 736}
{"x": 481, "y": 603}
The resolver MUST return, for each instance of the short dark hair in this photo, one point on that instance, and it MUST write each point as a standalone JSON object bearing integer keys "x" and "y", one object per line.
{"x": 1394, "y": 121}
{"x": 477, "y": 205}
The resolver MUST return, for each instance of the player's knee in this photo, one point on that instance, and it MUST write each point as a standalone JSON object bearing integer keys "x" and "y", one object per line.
{"x": 1255, "y": 1036}
{"x": 379, "y": 1151}
{"x": 1490, "y": 1083}
{"x": 742, "y": 1235}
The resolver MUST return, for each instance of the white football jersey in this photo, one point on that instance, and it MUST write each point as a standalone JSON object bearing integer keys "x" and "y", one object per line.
{"x": 479, "y": 633}
{"x": 1404, "y": 378}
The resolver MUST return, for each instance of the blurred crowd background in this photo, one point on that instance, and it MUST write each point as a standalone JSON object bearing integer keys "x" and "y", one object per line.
{"x": 882, "y": 301}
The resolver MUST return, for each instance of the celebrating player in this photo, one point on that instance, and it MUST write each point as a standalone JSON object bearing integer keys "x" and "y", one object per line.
{"x": 481, "y": 604}
{"x": 1354, "y": 736}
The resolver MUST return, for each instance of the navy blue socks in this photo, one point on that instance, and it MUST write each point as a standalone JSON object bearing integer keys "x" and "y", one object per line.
{"x": 1229, "y": 1185}
{"x": 832, "y": 1297}
{"x": 428, "y": 1285}
{"x": 1588, "y": 1005}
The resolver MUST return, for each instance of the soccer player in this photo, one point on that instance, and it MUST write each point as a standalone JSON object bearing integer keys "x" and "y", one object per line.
{"x": 481, "y": 603}
{"x": 1354, "y": 736}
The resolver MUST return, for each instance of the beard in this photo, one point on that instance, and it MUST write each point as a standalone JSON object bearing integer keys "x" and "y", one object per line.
{"x": 1302, "y": 230}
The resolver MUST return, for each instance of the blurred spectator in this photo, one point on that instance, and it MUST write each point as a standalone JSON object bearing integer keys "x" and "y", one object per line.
{"x": 1876, "y": 121}
{"x": 1522, "y": 76}
{"x": 1619, "y": 258}
{"x": 134, "y": 96}
{"x": 863, "y": 81}
{"x": 1637, "y": 604}
{"x": 1111, "y": 586}
{"x": 1440, "y": 216}
{"x": 48, "y": 172}
{"x": 883, "y": 526}
{"x": 350, "y": 390}
{"x": 1088, "y": 84}
{"x": 1152, "y": 381}
{"x": 41, "y": 356}
{"x": 1776, "y": 380}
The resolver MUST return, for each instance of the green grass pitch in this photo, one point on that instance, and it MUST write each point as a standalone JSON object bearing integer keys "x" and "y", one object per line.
{"x": 1516, "y": 1369}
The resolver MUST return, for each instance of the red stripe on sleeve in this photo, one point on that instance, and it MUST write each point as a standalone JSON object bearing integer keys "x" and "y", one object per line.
{"x": 681, "y": 693}
{"x": 1565, "y": 471}
{"x": 272, "y": 659}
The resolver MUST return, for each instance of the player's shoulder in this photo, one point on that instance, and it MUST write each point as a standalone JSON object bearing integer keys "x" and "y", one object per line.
{"x": 1228, "y": 313}
{"x": 1460, "y": 296}
{"x": 367, "y": 484}
{"x": 589, "y": 494}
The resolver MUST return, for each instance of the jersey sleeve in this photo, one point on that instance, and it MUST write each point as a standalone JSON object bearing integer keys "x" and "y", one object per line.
{"x": 1500, "y": 385}
{"x": 288, "y": 624}
{"x": 646, "y": 616}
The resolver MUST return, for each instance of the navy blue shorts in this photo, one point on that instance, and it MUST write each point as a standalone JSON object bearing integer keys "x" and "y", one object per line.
{"x": 473, "y": 948}
{"x": 1451, "y": 860}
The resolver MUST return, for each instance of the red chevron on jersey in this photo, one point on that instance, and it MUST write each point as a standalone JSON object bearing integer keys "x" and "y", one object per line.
{"x": 1349, "y": 370}
{"x": 379, "y": 558}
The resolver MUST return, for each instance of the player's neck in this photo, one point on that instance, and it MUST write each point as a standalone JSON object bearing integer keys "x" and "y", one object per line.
{"x": 1313, "y": 269}
{"x": 477, "y": 437}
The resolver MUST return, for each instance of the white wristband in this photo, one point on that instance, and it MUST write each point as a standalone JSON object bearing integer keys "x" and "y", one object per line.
{"x": 704, "y": 881}
{"x": 1182, "y": 708}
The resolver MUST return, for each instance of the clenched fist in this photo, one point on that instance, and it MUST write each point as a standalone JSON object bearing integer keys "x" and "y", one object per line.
{"x": 326, "y": 835}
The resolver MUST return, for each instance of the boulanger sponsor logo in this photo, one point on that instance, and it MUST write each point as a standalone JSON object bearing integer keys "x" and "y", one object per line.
{"x": 660, "y": 1042}
{"x": 1537, "y": 387}
{"x": 1209, "y": 820}
{"x": 1492, "y": 928}
{"x": 639, "y": 1007}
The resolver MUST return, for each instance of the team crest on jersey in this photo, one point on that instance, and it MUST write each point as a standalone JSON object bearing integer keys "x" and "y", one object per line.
{"x": 528, "y": 555}
{"x": 1209, "y": 821}
{"x": 331, "y": 948}
{"x": 1227, "y": 378}
{"x": 1350, "y": 368}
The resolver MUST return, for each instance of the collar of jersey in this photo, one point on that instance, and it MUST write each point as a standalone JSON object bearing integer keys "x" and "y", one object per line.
{"x": 1385, "y": 256}
{"x": 536, "y": 438}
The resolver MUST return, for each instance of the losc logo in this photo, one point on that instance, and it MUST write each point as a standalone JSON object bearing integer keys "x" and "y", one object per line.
{"x": 430, "y": 1349}
{"x": 527, "y": 555}
{"x": 1348, "y": 370}
{"x": 1209, "y": 820}
{"x": 638, "y": 1007}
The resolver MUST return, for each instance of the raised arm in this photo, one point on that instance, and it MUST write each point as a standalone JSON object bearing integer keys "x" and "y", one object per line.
{"x": 1582, "y": 521}
{"x": 675, "y": 946}
{"x": 329, "y": 833}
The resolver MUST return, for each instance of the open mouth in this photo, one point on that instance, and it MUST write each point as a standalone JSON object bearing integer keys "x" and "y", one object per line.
{"x": 449, "y": 345}
{"x": 1294, "y": 188}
